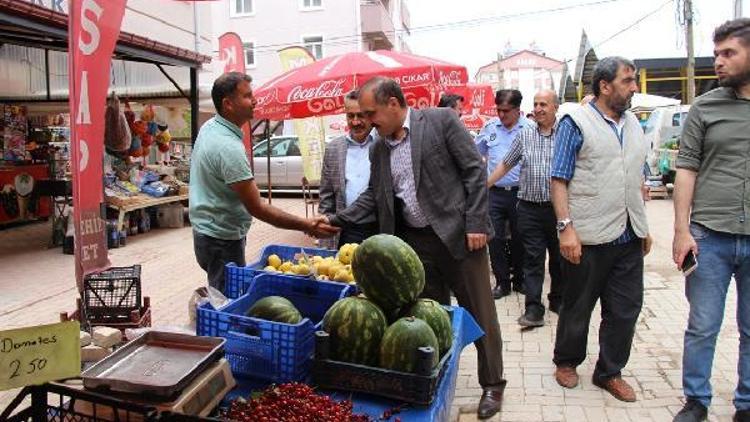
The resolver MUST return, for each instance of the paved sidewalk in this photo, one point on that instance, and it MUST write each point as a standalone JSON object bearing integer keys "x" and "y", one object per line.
{"x": 37, "y": 283}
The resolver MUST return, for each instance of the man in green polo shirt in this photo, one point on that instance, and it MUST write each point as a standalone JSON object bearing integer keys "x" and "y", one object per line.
{"x": 223, "y": 194}
{"x": 711, "y": 196}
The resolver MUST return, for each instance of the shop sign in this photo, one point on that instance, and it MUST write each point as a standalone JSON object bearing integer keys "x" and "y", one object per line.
{"x": 35, "y": 355}
{"x": 94, "y": 29}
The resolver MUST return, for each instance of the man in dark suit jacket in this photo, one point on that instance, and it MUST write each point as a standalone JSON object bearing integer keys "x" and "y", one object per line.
{"x": 427, "y": 184}
{"x": 346, "y": 172}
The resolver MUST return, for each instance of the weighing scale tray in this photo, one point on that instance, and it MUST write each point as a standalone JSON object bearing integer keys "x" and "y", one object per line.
{"x": 157, "y": 363}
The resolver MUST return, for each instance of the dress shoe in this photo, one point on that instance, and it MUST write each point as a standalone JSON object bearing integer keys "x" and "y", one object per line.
{"x": 693, "y": 411}
{"x": 531, "y": 318}
{"x": 741, "y": 416}
{"x": 616, "y": 386}
{"x": 499, "y": 292}
{"x": 566, "y": 376}
{"x": 490, "y": 403}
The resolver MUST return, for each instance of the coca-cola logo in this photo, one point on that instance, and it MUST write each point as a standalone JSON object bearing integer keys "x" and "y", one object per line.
{"x": 265, "y": 98}
{"x": 451, "y": 78}
{"x": 478, "y": 99}
{"x": 326, "y": 89}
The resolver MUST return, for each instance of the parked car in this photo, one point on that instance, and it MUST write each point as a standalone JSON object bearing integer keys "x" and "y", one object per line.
{"x": 286, "y": 163}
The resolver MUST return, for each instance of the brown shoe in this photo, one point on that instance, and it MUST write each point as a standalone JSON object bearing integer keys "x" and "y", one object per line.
{"x": 616, "y": 386}
{"x": 566, "y": 376}
{"x": 491, "y": 402}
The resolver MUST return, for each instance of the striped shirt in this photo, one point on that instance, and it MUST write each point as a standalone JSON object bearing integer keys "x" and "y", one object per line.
{"x": 568, "y": 142}
{"x": 533, "y": 150}
{"x": 402, "y": 173}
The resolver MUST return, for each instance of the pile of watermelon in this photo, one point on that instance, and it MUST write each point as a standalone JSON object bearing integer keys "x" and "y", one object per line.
{"x": 386, "y": 325}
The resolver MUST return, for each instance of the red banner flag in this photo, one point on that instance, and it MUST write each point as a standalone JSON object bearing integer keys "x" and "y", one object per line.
{"x": 94, "y": 26}
{"x": 232, "y": 53}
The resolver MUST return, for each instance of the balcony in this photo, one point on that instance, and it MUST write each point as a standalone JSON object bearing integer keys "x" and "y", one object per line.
{"x": 378, "y": 30}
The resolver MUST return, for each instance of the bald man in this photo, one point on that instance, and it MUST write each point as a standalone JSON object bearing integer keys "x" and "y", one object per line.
{"x": 533, "y": 147}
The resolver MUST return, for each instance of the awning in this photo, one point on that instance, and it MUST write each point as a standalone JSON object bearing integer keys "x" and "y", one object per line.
{"x": 28, "y": 24}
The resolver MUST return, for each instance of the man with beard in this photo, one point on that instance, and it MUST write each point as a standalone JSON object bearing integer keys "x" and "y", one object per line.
{"x": 346, "y": 172}
{"x": 711, "y": 192}
{"x": 601, "y": 221}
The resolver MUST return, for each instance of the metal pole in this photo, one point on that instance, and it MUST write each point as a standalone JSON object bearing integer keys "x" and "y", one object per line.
{"x": 46, "y": 73}
{"x": 193, "y": 103}
{"x": 499, "y": 73}
{"x": 737, "y": 9}
{"x": 267, "y": 136}
{"x": 688, "y": 13}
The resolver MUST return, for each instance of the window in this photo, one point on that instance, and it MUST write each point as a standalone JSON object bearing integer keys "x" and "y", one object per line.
{"x": 240, "y": 7}
{"x": 314, "y": 45}
{"x": 678, "y": 118}
{"x": 279, "y": 147}
{"x": 312, "y": 4}
{"x": 249, "y": 48}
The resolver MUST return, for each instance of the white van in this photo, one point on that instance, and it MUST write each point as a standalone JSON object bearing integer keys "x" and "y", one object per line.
{"x": 663, "y": 127}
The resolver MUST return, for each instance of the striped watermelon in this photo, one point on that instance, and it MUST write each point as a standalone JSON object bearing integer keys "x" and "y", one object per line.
{"x": 398, "y": 349}
{"x": 356, "y": 326}
{"x": 275, "y": 308}
{"x": 437, "y": 317}
{"x": 388, "y": 271}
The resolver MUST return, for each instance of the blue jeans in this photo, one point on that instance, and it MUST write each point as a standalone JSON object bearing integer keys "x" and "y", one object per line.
{"x": 720, "y": 256}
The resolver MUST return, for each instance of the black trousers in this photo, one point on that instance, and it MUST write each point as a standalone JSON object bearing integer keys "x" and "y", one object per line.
{"x": 469, "y": 279}
{"x": 213, "y": 254}
{"x": 536, "y": 223}
{"x": 502, "y": 209}
{"x": 356, "y": 233}
{"x": 614, "y": 275}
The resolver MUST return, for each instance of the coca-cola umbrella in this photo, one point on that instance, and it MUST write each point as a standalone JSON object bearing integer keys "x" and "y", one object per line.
{"x": 319, "y": 88}
{"x": 479, "y": 104}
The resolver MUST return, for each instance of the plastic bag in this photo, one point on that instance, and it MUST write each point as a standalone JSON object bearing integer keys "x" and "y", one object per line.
{"x": 664, "y": 164}
{"x": 204, "y": 295}
{"x": 117, "y": 135}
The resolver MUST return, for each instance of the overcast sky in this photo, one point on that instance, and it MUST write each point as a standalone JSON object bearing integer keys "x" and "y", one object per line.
{"x": 472, "y": 32}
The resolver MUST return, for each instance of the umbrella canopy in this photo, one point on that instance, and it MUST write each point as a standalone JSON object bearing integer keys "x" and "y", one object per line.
{"x": 319, "y": 88}
{"x": 478, "y": 99}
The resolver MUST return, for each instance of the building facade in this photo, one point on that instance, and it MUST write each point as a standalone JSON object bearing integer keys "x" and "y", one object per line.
{"x": 324, "y": 27}
{"x": 526, "y": 70}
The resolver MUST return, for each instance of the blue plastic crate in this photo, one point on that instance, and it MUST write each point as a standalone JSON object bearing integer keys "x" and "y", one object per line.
{"x": 271, "y": 350}
{"x": 237, "y": 279}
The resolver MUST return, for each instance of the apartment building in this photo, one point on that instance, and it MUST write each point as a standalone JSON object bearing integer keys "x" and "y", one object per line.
{"x": 324, "y": 27}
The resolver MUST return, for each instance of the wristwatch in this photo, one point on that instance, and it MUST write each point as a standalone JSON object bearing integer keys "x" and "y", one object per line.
{"x": 562, "y": 224}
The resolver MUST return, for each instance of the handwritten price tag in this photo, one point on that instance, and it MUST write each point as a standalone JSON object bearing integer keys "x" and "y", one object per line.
{"x": 35, "y": 355}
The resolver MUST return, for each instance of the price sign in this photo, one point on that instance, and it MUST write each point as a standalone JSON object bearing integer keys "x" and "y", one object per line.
{"x": 35, "y": 355}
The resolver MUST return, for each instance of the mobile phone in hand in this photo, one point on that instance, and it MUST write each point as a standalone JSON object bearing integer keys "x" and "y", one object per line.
{"x": 689, "y": 264}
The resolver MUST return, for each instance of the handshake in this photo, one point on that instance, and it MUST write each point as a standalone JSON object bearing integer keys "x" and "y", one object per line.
{"x": 320, "y": 227}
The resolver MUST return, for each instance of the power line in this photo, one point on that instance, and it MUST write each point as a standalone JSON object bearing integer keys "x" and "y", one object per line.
{"x": 355, "y": 38}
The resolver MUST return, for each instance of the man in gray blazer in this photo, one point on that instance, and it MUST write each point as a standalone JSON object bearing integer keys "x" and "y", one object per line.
{"x": 346, "y": 172}
{"x": 427, "y": 185}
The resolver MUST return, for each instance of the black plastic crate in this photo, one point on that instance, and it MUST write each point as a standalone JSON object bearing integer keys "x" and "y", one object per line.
{"x": 113, "y": 294}
{"x": 416, "y": 388}
{"x": 55, "y": 402}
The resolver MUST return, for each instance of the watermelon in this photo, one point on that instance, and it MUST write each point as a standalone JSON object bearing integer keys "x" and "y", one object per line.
{"x": 436, "y": 317}
{"x": 275, "y": 308}
{"x": 356, "y": 326}
{"x": 388, "y": 271}
{"x": 398, "y": 349}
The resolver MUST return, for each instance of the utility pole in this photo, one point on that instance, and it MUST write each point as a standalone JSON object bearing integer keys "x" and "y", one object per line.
{"x": 737, "y": 9}
{"x": 688, "y": 14}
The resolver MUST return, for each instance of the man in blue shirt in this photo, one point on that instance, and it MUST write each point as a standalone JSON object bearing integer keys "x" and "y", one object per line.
{"x": 346, "y": 172}
{"x": 223, "y": 194}
{"x": 493, "y": 143}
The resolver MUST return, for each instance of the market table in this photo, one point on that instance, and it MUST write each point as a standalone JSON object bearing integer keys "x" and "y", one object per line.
{"x": 125, "y": 205}
{"x": 465, "y": 332}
